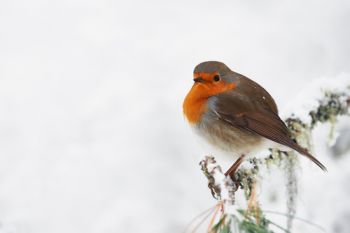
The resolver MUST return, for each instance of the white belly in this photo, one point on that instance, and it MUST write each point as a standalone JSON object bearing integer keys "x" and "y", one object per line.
{"x": 228, "y": 138}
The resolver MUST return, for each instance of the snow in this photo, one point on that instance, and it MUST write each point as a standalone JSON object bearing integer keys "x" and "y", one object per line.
{"x": 92, "y": 137}
{"x": 309, "y": 96}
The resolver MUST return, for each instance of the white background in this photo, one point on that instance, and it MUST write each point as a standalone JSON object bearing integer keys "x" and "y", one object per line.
{"x": 92, "y": 136}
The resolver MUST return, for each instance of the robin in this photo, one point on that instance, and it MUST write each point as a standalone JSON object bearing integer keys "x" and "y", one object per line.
{"x": 235, "y": 114}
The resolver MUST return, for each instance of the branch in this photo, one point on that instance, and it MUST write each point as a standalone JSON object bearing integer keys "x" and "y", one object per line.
{"x": 332, "y": 105}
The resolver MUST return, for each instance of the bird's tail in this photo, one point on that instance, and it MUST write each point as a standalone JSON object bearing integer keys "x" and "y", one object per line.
{"x": 306, "y": 153}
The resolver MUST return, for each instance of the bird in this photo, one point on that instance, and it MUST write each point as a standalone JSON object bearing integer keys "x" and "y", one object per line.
{"x": 235, "y": 114}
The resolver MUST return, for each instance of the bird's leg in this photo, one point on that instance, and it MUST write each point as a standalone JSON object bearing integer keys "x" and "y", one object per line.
{"x": 231, "y": 172}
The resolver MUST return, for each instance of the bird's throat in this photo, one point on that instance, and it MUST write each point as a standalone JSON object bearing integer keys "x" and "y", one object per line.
{"x": 194, "y": 108}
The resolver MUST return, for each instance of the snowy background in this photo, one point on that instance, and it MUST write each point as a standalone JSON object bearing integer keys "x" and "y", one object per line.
{"x": 92, "y": 136}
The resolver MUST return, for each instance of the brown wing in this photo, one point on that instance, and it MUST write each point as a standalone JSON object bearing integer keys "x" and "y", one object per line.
{"x": 250, "y": 94}
{"x": 256, "y": 117}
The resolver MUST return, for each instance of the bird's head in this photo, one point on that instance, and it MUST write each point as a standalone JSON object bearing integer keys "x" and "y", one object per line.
{"x": 212, "y": 78}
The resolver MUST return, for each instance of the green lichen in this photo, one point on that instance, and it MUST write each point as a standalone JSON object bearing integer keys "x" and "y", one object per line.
{"x": 247, "y": 176}
{"x": 333, "y": 104}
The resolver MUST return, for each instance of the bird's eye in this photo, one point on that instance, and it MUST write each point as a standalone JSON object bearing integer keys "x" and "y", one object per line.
{"x": 216, "y": 78}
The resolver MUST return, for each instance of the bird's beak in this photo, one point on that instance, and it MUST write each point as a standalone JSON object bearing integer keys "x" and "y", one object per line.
{"x": 198, "y": 80}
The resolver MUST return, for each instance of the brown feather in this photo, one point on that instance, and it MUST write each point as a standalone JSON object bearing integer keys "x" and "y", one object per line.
{"x": 258, "y": 115}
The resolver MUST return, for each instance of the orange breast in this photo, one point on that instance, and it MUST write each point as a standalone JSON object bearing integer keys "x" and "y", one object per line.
{"x": 195, "y": 103}
{"x": 194, "y": 106}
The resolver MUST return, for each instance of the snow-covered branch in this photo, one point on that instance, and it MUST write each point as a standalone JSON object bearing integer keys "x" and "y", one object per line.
{"x": 330, "y": 105}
